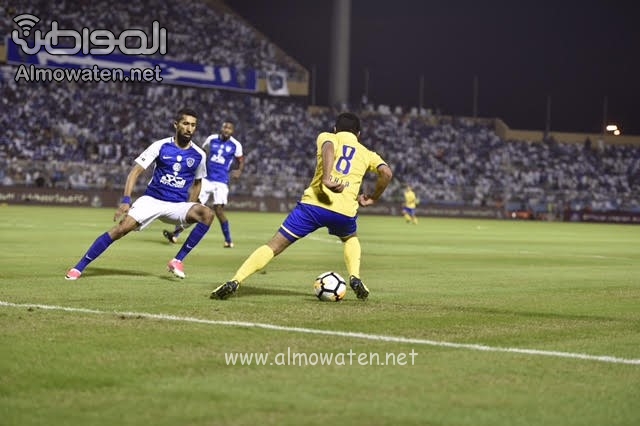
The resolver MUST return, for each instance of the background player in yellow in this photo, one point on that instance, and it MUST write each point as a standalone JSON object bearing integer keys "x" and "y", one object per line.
{"x": 409, "y": 206}
{"x": 331, "y": 200}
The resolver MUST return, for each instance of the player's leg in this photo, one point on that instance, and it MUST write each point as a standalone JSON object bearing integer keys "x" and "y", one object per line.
{"x": 172, "y": 236}
{"x": 220, "y": 195}
{"x": 352, "y": 256}
{"x": 190, "y": 213}
{"x": 100, "y": 245}
{"x": 346, "y": 229}
{"x": 405, "y": 213}
{"x": 299, "y": 223}
{"x": 178, "y": 230}
{"x": 218, "y": 209}
{"x": 262, "y": 256}
{"x": 255, "y": 262}
{"x": 204, "y": 197}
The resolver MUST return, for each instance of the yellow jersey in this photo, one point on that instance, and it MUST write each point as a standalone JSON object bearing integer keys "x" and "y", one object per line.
{"x": 410, "y": 199}
{"x": 352, "y": 161}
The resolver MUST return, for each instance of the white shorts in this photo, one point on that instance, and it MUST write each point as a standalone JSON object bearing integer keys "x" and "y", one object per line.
{"x": 147, "y": 209}
{"x": 217, "y": 190}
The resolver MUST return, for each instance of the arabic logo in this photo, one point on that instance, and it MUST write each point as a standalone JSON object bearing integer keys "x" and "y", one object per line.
{"x": 26, "y": 21}
{"x": 96, "y": 42}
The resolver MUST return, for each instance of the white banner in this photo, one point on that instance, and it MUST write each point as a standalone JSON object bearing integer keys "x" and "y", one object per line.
{"x": 277, "y": 83}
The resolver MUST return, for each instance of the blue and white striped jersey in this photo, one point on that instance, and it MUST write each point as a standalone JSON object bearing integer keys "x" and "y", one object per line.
{"x": 221, "y": 156}
{"x": 175, "y": 169}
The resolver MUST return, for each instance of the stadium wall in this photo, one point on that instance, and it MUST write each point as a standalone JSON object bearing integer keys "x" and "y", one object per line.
{"x": 28, "y": 195}
{"x": 19, "y": 195}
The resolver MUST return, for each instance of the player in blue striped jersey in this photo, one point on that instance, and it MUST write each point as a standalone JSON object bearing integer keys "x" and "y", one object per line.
{"x": 223, "y": 151}
{"x": 171, "y": 195}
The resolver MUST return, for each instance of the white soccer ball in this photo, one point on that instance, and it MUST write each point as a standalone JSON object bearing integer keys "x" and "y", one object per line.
{"x": 330, "y": 287}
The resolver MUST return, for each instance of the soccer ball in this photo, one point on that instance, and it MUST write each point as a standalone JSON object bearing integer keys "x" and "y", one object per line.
{"x": 330, "y": 287}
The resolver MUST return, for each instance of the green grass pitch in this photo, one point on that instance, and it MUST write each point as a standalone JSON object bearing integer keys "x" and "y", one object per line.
{"x": 510, "y": 323}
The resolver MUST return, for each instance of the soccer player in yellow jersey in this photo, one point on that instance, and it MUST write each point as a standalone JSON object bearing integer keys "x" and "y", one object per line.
{"x": 409, "y": 206}
{"x": 331, "y": 200}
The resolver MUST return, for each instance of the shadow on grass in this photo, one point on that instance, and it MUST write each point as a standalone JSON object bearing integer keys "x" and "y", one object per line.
{"x": 266, "y": 291}
{"x": 104, "y": 272}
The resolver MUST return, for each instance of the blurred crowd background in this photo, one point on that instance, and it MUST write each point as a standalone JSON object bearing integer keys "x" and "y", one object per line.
{"x": 86, "y": 135}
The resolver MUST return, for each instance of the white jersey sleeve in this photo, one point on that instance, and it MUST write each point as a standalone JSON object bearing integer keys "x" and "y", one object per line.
{"x": 201, "y": 171}
{"x": 149, "y": 155}
{"x": 238, "y": 145}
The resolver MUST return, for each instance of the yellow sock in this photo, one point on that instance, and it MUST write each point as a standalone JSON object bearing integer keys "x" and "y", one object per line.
{"x": 256, "y": 261}
{"x": 415, "y": 220}
{"x": 352, "y": 256}
{"x": 407, "y": 217}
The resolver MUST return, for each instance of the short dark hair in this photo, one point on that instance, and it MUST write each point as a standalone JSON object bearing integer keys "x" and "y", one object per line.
{"x": 185, "y": 111}
{"x": 348, "y": 122}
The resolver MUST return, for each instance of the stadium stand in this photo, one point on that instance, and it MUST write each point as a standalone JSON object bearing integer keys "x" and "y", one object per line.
{"x": 74, "y": 135}
{"x": 196, "y": 40}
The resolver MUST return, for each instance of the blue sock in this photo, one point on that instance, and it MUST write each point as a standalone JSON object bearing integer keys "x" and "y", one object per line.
{"x": 225, "y": 231}
{"x": 178, "y": 230}
{"x": 97, "y": 248}
{"x": 194, "y": 238}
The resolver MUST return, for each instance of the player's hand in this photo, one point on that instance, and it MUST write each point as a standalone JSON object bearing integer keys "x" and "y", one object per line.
{"x": 333, "y": 186}
{"x": 364, "y": 200}
{"x": 121, "y": 212}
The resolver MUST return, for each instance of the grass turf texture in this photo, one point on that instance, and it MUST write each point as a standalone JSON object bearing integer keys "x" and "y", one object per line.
{"x": 547, "y": 286}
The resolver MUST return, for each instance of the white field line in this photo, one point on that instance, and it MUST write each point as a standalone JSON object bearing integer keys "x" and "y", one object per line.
{"x": 363, "y": 336}
{"x": 331, "y": 240}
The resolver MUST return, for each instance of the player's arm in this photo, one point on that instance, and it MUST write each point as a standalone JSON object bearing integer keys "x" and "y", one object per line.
{"x": 384, "y": 177}
{"x": 194, "y": 191}
{"x": 328, "y": 157}
{"x": 205, "y": 145}
{"x": 130, "y": 184}
{"x": 237, "y": 172}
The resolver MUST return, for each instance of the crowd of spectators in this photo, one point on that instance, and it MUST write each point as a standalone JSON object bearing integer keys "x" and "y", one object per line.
{"x": 86, "y": 135}
{"x": 203, "y": 32}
